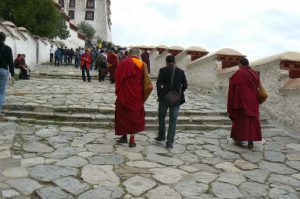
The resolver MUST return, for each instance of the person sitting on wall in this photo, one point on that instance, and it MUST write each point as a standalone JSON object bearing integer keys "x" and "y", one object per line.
{"x": 18, "y": 61}
{"x": 21, "y": 64}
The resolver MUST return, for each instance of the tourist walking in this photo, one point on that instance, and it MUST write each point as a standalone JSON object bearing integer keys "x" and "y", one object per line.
{"x": 52, "y": 51}
{"x": 6, "y": 65}
{"x": 112, "y": 62}
{"x": 86, "y": 60}
{"x": 243, "y": 104}
{"x": 171, "y": 80}
{"x": 57, "y": 57}
{"x": 77, "y": 58}
{"x": 130, "y": 112}
{"x": 101, "y": 65}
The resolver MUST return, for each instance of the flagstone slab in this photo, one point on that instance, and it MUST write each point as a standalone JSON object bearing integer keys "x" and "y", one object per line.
{"x": 103, "y": 193}
{"x": 257, "y": 175}
{"x": 53, "y": 193}
{"x": 167, "y": 175}
{"x": 102, "y": 175}
{"x": 138, "y": 185}
{"x": 204, "y": 177}
{"x": 32, "y": 161}
{"x": 276, "y": 168}
{"x": 107, "y": 159}
{"x": 232, "y": 178}
{"x": 24, "y": 185}
{"x": 144, "y": 164}
{"x": 223, "y": 190}
{"x": 16, "y": 172}
{"x": 45, "y": 133}
{"x": 74, "y": 161}
{"x": 47, "y": 173}
{"x": 254, "y": 189}
{"x": 100, "y": 148}
{"x": 37, "y": 147}
{"x": 72, "y": 185}
{"x": 165, "y": 191}
{"x": 190, "y": 188}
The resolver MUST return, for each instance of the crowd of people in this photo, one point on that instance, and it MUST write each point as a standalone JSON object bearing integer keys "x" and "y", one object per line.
{"x": 129, "y": 71}
{"x": 104, "y": 60}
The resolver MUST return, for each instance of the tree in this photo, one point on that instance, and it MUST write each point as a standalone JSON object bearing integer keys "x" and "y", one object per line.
{"x": 40, "y": 17}
{"x": 86, "y": 29}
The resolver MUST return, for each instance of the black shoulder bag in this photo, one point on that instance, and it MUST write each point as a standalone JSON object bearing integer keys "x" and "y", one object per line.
{"x": 172, "y": 97}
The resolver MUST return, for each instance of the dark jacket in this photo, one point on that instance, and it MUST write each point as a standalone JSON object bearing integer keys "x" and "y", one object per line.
{"x": 6, "y": 58}
{"x": 164, "y": 82}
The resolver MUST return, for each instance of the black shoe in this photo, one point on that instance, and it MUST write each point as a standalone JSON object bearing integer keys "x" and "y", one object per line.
{"x": 250, "y": 145}
{"x": 131, "y": 145}
{"x": 238, "y": 143}
{"x": 122, "y": 140}
{"x": 159, "y": 139}
{"x": 169, "y": 146}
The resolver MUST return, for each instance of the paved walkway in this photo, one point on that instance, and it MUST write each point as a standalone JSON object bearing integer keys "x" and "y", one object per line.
{"x": 54, "y": 160}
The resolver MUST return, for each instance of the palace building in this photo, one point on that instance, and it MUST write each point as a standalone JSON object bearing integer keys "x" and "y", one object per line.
{"x": 95, "y": 12}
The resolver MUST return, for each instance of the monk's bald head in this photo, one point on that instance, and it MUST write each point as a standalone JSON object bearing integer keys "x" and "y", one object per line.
{"x": 244, "y": 62}
{"x": 134, "y": 52}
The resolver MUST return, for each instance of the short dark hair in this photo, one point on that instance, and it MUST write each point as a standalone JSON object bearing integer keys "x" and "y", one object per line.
{"x": 2, "y": 37}
{"x": 244, "y": 62}
{"x": 170, "y": 59}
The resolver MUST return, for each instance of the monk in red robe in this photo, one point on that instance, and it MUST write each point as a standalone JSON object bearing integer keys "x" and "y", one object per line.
{"x": 130, "y": 112}
{"x": 112, "y": 61}
{"x": 243, "y": 105}
{"x": 146, "y": 58}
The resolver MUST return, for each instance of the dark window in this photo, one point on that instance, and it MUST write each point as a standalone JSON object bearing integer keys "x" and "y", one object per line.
{"x": 89, "y": 15}
{"x": 90, "y": 4}
{"x": 61, "y": 3}
{"x": 72, "y": 14}
{"x": 72, "y": 3}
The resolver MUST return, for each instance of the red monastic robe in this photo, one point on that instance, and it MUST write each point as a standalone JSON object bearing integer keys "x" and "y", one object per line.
{"x": 130, "y": 112}
{"x": 243, "y": 105}
{"x": 145, "y": 57}
{"x": 113, "y": 61}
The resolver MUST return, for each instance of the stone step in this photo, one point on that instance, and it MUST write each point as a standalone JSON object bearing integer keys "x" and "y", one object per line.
{"x": 149, "y": 126}
{"x": 88, "y": 117}
{"x": 98, "y": 110}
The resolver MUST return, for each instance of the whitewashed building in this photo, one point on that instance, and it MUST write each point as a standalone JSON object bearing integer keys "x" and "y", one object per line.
{"x": 94, "y": 12}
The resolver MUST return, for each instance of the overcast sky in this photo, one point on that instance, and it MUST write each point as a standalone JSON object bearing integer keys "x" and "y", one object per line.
{"x": 256, "y": 28}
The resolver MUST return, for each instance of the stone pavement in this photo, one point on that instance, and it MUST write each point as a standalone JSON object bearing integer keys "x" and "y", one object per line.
{"x": 59, "y": 143}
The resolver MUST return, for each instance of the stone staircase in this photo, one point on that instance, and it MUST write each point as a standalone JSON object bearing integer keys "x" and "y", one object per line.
{"x": 104, "y": 117}
{"x": 56, "y": 96}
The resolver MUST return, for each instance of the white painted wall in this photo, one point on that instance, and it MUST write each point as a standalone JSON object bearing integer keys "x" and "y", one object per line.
{"x": 202, "y": 73}
{"x": 283, "y": 104}
{"x": 182, "y": 60}
{"x": 158, "y": 62}
{"x": 37, "y": 50}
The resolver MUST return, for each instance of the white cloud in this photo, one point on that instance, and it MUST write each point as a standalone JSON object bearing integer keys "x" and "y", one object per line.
{"x": 255, "y": 28}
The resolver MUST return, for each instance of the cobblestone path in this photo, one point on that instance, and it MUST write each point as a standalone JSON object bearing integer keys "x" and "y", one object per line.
{"x": 59, "y": 144}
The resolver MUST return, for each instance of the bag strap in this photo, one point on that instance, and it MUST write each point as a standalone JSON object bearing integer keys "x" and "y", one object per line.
{"x": 172, "y": 77}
